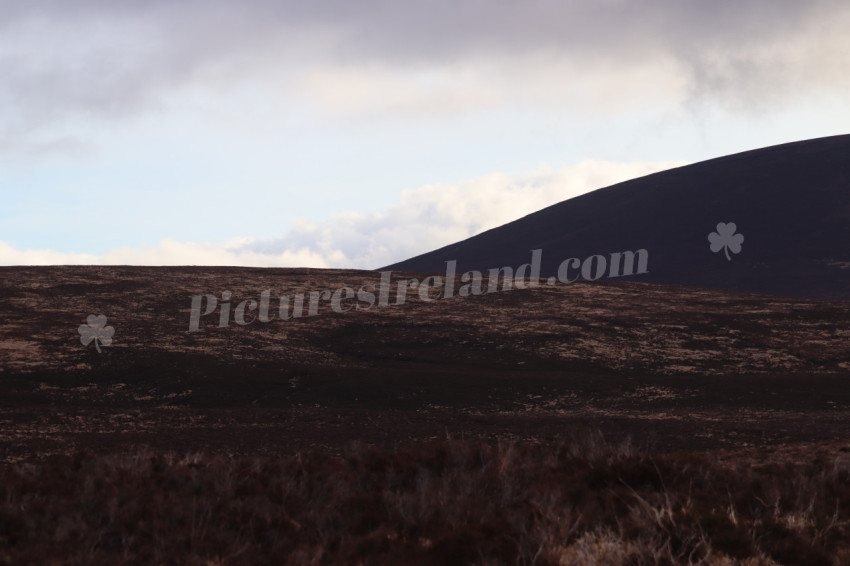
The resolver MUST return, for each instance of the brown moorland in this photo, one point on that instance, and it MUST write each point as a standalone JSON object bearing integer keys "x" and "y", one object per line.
{"x": 621, "y": 423}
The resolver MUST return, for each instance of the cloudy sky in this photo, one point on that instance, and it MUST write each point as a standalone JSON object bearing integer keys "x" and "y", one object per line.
{"x": 357, "y": 133}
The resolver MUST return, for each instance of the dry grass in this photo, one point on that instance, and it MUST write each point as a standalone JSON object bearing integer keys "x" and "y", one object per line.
{"x": 614, "y": 326}
{"x": 441, "y": 502}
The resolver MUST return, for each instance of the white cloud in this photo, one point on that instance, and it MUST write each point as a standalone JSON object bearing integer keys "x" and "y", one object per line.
{"x": 426, "y": 218}
{"x": 169, "y": 252}
{"x": 12, "y": 256}
{"x": 546, "y": 78}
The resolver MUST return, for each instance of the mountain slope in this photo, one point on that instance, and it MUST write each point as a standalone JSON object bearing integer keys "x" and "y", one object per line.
{"x": 791, "y": 202}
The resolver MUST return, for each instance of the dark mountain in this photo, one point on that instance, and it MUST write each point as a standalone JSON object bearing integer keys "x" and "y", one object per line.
{"x": 791, "y": 203}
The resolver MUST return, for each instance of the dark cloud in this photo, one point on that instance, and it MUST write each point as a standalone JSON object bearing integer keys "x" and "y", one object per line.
{"x": 108, "y": 60}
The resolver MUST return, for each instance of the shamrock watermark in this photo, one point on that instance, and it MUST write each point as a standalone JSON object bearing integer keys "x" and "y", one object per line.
{"x": 96, "y": 329}
{"x": 726, "y": 239}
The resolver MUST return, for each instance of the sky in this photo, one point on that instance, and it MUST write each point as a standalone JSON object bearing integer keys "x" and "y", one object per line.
{"x": 357, "y": 134}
